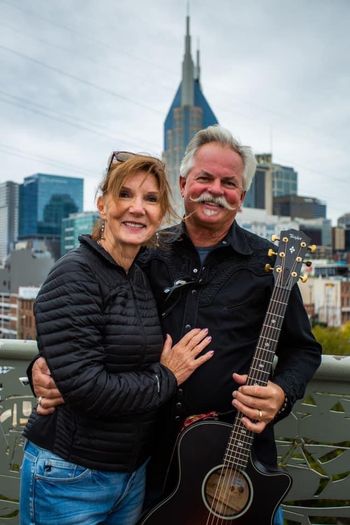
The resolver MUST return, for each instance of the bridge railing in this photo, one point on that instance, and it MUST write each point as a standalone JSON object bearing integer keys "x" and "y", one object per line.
{"x": 313, "y": 442}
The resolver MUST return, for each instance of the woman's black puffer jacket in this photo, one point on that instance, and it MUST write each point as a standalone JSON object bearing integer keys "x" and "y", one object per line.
{"x": 99, "y": 331}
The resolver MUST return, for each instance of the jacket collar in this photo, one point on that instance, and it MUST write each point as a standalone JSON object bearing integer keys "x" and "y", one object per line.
{"x": 236, "y": 238}
{"x": 93, "y": 245}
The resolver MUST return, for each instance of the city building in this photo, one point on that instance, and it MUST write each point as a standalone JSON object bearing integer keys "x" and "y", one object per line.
{"x": 320, "y": 233}
{"x": 338, "y": 239}
{"x": 260, "y": 194}
{"x": 271, "y": 180}
{"x": 8, "y": 217}
{"x": 27, "y": 265}
{"x": 329, "y": 299}
{"x": 16, "y": 314}
{"x": 297, "y": 206}
{"x": 189, "y": 112}
{"x": 73, "y": 226}
{"x": 44, "y": 200}
{"x": 344, "y": 222}
{"x": 26, "y": 320}
{"x": 8, "y": 316}
{"x": 284, "y": 180}
{"x": 260, "y": 222}
{"x": 327, "y": 269}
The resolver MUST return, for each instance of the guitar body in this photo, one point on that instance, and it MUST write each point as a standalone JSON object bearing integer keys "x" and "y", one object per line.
{"x": 209, "y": 493}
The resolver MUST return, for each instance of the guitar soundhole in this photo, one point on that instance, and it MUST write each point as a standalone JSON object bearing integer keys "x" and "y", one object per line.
{"x": 227, "y": 492}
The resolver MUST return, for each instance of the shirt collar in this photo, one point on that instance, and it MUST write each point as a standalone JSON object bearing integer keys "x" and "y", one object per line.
{"x": 236, "y": 238}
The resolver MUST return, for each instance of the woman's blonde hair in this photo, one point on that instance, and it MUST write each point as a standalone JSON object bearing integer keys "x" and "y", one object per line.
{"x": 119, "y": 172}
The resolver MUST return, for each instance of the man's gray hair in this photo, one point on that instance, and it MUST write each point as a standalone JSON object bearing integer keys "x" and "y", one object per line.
{"x": 223, "y": 137}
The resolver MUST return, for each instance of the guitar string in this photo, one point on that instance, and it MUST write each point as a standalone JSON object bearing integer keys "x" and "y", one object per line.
{"x": 223, "y": 482}
{"x": 262, "y": 354}
{"x": 269, "y": 329}
{"x": 238, "y": 456}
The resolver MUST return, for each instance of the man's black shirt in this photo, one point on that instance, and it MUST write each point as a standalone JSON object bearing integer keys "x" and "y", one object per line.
{"x": 228, "y": 294}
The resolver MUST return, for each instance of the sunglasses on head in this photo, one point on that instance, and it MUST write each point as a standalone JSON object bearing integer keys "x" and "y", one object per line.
{"x": 123, "y": 156}
{"x": 119, "y": 156}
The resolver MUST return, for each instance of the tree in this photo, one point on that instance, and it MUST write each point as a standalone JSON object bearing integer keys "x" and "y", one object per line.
{"x": 334, "y": 341}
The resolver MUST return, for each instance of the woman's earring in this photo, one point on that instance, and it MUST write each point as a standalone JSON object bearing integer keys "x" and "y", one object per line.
{"x": 102, "y": 230}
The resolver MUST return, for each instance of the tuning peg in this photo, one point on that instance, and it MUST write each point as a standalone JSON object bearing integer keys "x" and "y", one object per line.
{"x": 274, "y": 238}
{"x": 308, "y": 263}
{"x": 268, "y": 268}
{"x": 271, "y": 252}
{"x": 312, "y": 248}
{"x": 303, "y": 278}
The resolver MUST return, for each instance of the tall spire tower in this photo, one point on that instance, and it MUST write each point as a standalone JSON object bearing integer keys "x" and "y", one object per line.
{"x": 187, "y": 88}
{"x": 188, "y": 113}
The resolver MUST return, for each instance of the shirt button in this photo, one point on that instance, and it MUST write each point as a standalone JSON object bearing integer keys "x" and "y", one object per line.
{"x": 188, "y": 327}
{"x": 195, "y": 270}
{"x": 194, "y": 292}
{"x": 179, "y": 405}
{"x": 224, "y": 242}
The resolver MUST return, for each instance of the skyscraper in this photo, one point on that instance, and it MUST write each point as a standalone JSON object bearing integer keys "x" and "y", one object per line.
{"x": 73, "y": 226}
{"x": 8, "y": 217}
{"x": 44, "y": 200}
{"x": 188, "y": 113}
{"x": 299, "y": 206}
{"x": 259, "y": 194}
{"x": 271, "y": 181}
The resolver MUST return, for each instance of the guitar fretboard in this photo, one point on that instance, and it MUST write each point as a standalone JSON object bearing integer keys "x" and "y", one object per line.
{"x": 241, "y": 440}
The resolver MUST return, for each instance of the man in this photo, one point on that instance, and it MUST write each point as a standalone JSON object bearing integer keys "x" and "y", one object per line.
{"x": 211, "y": 274}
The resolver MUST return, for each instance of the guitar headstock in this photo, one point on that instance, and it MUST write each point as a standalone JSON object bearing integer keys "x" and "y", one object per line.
{"x": 292, "y": 248}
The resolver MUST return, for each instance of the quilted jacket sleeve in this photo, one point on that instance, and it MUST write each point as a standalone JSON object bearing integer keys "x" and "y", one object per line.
{"x": 69, "y": 317}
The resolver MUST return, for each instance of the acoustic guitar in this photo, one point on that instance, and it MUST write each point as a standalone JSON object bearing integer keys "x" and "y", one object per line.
{"x": 220, "y": 481}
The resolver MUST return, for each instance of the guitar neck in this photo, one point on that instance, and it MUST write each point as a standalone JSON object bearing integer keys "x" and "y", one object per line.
{"x": 260, "y": 369}
{"x": 241, "y": 440}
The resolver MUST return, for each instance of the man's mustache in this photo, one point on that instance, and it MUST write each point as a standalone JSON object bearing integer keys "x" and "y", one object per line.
{"x": 220, "y": 201}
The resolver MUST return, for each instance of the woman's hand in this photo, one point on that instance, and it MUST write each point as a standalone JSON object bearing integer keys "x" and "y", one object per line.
{"x": 182, "y": 359}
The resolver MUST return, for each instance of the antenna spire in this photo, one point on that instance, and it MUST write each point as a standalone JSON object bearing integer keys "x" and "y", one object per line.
{"x": 187, "y": 90}
{"x": 198, "y": 66}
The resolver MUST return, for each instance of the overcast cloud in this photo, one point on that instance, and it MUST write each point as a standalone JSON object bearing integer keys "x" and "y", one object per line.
{"x": 80, "y": 78}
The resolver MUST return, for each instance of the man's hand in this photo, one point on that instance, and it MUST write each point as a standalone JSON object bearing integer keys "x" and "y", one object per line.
{"x": 45, "y": 388}
{"x": 258, "y": 404}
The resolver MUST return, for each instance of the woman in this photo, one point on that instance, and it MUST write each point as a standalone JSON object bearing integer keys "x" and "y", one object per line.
{"x": 98, "y": 329}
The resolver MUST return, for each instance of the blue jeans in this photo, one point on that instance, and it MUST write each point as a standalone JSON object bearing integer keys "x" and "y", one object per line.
{"x": 54, "y": 491}
{"x": 278, "y": 519}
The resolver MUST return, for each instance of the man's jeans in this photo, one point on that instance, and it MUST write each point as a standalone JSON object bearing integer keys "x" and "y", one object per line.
{"x": 57, "y": 492}
{"x": 278, "y": 519}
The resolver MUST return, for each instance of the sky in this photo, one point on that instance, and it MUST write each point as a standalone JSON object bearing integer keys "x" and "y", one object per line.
{"x": 81, "y": 78}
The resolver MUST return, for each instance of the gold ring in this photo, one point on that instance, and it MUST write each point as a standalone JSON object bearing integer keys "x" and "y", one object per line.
{"x": 39, "y": 400}
{"x": 260, "y": 414}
